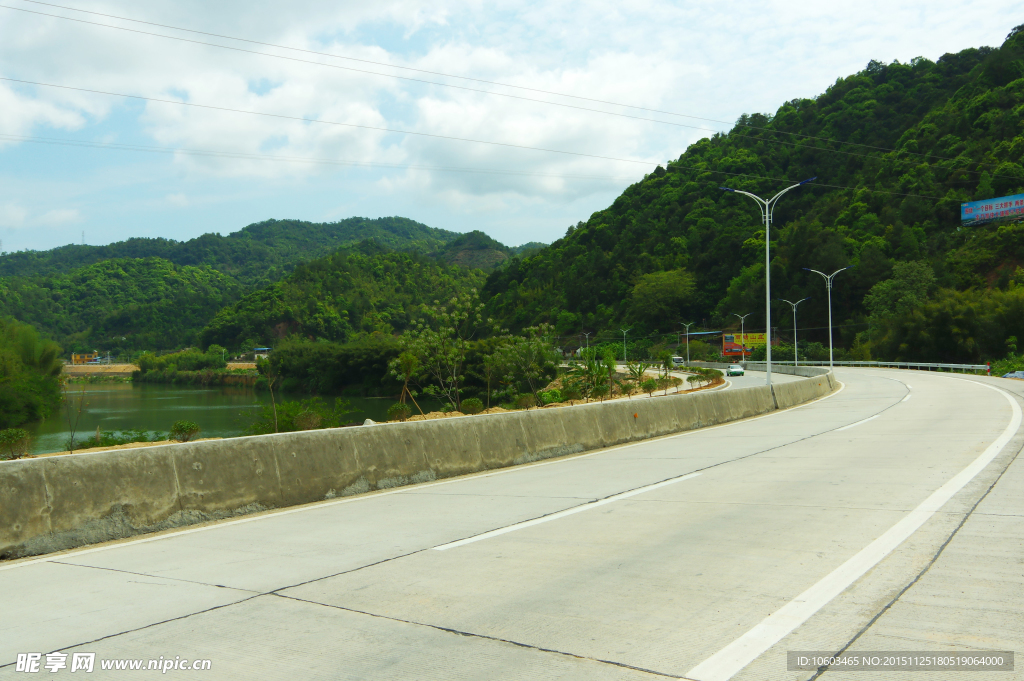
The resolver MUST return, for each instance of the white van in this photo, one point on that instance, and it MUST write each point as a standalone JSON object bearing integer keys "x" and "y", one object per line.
{"x": 678, "y": 361}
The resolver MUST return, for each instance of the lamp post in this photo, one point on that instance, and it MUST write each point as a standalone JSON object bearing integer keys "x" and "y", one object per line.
{"x": 743, "y": 338}
{"x": 767, "y": 208}
{"x": 796, "y": 359}
{"x": 828, "y": 284}
{"x": 624, "y": 360}
{"x": 687, "y": 340}
{"x": 587, "y": 335}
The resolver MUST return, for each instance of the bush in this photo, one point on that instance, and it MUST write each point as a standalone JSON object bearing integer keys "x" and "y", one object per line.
{"x": 187, "y": 360}
{"x": 472, "y": 406}
{"x": 551, "y": 396}
{"x": 310, "y": 414}
{"x": 525, "y": 401}
{"x": 13, "y": 443}
{"x": 183, "y": 431}
{"x": 399, "y": 411}
{"x": 599, "y": 391}
{"x": 649, "y": 386}
{"x": 571, "y": 393}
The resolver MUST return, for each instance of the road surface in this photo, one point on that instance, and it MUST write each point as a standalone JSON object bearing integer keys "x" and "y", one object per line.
{"x": 886, "y": 517}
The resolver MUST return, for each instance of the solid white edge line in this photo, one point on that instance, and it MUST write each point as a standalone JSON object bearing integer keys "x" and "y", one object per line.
{"x": 906, "y": 398}
{"x": 315, "y": 505}
{"x": 562, "y": 514}
{"x": 854, "y": 425}
{"x": 727, "y": 662}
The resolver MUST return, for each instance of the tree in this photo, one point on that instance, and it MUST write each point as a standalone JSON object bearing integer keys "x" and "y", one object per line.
{"x": 906, "y": 290}
{"x": 441, "y": 344}
{"x": 659, "y": 296}
{"x": 530, "y": 360}
{"x": 267, "y": 370}
{"x": 404, "y": 367}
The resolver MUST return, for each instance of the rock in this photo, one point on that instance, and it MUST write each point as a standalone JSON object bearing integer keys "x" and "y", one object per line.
{"x": 369, "y": 422}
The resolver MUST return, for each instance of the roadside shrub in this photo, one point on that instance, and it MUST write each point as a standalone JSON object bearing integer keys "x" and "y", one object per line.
{"x": 551, "y": 396}
{"x": 294, "y": 415}
{"x": 308, "y": 420}
{"x": 525, "y": 401}
{"x": 183, "y": 431}
{"x": 472, "y": 406}
{"x": 649, "y": 386}
{"x": 571, "y": 393}
{"x": 599, "y": 391}
{"x": 399, "y": 411}
{"x": 13, "y": 443}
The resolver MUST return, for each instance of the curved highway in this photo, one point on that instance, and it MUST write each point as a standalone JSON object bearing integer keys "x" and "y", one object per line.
{"x": 888, "y": 516}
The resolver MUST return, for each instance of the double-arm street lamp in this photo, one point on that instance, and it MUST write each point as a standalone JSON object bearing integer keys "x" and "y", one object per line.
{"x": 687, "y": 340}
{"x": 796, "y": 359}
{"x": 743, "y": 337}
{"x": 767, "y": 208}
{"x": 828, "y": 284}
{"x": 624, "y": 360}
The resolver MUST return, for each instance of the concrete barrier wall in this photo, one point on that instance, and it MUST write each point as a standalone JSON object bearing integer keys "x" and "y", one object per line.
{"x": 59, "y": 502}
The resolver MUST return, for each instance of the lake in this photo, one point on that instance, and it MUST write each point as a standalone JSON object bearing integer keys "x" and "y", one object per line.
{"x": 219, "y": 412}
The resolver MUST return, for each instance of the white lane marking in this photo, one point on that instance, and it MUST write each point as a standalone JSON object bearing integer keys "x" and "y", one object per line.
{"x": 316, "y": 505}
{"x": 561, "y": 514}
{"x": 854, "y": 425}
{"x": 906, "y": 398}
{"x": 731, "y": 659}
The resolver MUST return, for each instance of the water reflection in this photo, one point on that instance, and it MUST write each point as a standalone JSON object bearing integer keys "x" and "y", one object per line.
{"x": 223, "y": 411}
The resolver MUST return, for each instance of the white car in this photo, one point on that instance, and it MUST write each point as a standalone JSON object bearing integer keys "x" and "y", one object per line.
{"x": 734, "y": 370}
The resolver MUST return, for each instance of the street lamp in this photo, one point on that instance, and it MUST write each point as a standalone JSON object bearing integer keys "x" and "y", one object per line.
{"x": 687, "y": 340}
{"x": 743, "y": 338}
{"x": 587, "y": 334}
{"x": 796, "y": 359}
{"x": 767, "y": 208}
{"x": 624, "y": 360}
{"x": 828, "y": 284}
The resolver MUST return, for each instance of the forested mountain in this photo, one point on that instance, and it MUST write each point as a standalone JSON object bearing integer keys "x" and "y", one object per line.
{"x": 123, "y": 303}
{"x": 355, "y": 292}
{"x": 896, "y": 148}
{"x": 255, "y": 255}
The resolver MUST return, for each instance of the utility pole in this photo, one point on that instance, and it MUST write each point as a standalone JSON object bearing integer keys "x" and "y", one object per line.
{"x": 743, "y": 338}
{"x": 828, "y": 285}
{"x": 796, "y": 359}
{"x": 767, "y": 209}
{"x": 624, "y": 360}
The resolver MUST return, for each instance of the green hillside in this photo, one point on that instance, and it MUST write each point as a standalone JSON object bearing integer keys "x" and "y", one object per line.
{"x": 255, "y": 255}
{"x": 121, "y": 304}
{"x": 353, "y": 293}
{"x": 955, "y": 126}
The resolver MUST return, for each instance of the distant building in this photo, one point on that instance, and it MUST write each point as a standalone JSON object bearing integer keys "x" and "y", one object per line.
{"x": 261, "y": 352}
{"x": 84, "y": 358}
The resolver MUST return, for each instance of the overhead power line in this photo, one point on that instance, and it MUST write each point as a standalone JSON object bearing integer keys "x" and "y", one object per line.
{"x": 450, "y": 85}
{"x": 435, "y": 136}
{"x": 214, "y": 153}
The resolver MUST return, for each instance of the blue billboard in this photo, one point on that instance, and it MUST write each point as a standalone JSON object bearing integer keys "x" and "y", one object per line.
{"x": 977, "y": 212}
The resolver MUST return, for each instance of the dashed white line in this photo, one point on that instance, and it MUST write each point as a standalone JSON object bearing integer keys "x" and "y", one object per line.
{"x": 562, "y": 514}
{"x": 854, "y": 425}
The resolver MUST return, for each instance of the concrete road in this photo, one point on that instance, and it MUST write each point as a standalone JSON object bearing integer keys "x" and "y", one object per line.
{"x": 887, "y": 516}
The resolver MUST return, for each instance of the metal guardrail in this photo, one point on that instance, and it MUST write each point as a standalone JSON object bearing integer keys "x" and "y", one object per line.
{"x": 964, "y": 368}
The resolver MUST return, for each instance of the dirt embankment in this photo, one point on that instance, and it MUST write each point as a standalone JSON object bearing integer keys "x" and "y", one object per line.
{"x": 75, "y": 370}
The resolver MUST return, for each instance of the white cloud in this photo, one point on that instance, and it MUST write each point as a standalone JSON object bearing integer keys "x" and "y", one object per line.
{"x": 17, "y": 216}
{"x": 59, "y": 216}
{"x": 716, "y": 60}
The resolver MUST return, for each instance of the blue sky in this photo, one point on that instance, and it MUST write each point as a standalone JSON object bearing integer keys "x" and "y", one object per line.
{"x": 710, "y": 59}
